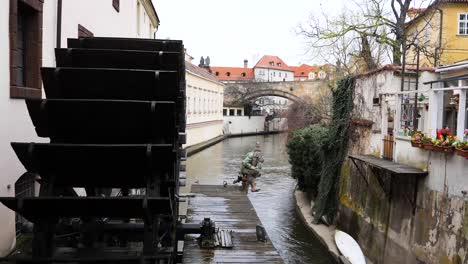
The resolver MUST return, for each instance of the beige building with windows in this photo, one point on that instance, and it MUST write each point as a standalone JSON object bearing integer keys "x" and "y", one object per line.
{"x": 29, "y": 33}
{"x": 205, "y": 96}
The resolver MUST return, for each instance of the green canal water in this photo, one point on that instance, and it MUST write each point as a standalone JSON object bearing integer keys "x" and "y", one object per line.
{"x": 274, "y": 204}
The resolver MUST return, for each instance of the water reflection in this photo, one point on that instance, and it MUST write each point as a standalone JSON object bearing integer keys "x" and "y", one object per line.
{"x": 274, "y": 203}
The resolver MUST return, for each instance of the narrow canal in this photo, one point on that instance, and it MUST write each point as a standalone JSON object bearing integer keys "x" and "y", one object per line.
{"x": 274, "y": 204}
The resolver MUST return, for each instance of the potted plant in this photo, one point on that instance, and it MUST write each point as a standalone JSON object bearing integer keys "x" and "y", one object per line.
{"x": 462, "y": 148}
{"x": 444, "y": 145}
{"x": 427, "y": 143}
{"x": 417, "y": 139}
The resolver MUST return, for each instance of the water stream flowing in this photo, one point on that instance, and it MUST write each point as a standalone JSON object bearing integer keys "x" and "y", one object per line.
{"x": 274, "y": 204}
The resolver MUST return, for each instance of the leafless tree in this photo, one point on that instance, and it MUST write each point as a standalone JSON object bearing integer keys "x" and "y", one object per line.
{"x": 365, "y": 36}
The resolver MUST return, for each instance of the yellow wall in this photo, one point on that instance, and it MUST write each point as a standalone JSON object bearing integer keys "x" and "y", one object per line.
{"x": 454, "y": 46}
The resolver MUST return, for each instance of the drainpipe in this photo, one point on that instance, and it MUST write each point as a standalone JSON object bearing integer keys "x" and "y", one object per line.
{"x": 59, "y": 24}
{"x": 436, "y": 61}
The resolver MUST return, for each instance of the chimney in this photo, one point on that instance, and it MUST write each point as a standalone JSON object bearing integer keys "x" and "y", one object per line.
{"x": 246, "y": 63}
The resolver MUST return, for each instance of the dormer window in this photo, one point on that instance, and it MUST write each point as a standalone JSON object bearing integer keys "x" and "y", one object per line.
{"x": 216, "y": 73}
{"x": 272, "y": 63}
{"x": 279, "y": 64}
{"x": 243, "y": 74}
{"x": 228, "y": 74}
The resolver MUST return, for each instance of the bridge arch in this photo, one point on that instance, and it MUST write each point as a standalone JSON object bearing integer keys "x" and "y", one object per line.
{"x": 273, "y": 92}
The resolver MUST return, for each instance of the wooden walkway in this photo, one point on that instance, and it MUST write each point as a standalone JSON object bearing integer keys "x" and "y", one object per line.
{"x": 230, "y": 209}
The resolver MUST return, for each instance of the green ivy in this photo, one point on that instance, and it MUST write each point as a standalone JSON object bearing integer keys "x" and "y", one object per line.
{"x": 317, "y": 153}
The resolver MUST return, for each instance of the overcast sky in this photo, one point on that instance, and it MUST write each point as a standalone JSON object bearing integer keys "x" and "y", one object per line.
{"x": 231, "y": 31}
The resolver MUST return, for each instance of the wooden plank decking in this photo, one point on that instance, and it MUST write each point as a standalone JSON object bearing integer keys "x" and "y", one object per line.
{"x": 230, "y": 209}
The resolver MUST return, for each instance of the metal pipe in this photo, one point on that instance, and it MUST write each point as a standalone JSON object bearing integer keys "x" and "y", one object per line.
{"x": 415, "y": 111}
{"x": 59, "y": 24}
{"x": 436, "y": 61}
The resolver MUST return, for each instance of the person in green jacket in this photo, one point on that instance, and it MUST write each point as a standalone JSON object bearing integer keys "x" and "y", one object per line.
{"x": 250, "y": 168}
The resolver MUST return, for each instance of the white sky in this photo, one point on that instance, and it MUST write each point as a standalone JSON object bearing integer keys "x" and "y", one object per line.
{"x": 231, "y": 31}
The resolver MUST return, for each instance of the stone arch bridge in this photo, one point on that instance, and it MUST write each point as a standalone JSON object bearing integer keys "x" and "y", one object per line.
{"x": 296, "y": 91}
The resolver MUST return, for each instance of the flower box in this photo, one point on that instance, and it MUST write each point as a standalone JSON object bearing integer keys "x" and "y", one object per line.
{"x": 428, "y": 146}
{"x": 442, "y": 149}
{"x": 416, "y": 144}
{"x": 462, "y": 152}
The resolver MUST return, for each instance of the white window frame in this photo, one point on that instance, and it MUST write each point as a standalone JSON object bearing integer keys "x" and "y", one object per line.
{"x": 437, "y": 109}
{"x": 462, "y": 21}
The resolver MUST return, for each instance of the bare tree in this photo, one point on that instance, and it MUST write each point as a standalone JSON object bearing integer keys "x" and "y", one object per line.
{"x": 364, "y": 36}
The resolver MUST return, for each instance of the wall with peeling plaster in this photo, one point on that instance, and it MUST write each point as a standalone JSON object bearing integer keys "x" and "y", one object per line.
{"x": 418, "y": 221}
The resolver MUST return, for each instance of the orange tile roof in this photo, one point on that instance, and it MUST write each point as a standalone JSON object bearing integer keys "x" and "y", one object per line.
{"x": 303, "y": 70}
{"x": 272, "y": 62}
{"x": 233, "y": 73}
{"x": 393, "y": 67}
{"x": 200, "y": 71}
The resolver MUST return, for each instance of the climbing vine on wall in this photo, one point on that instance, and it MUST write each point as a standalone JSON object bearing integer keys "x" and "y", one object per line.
{"x": 334, "y": 150}
{"x": 317, "y": 152}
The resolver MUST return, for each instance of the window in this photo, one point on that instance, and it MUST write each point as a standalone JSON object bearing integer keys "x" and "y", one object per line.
{"x": 322, "y": 75}
{"x": 279, "y": 64}
{"x": 216, "y": 73}
{"x": 228, "y": 74}
{"x": 243, "y": 74}
{"x": 231, "y": 112}
{"x": 24, "y": 187}
{"x": 224, "y": 112}
{"x": 239, "y": 112}
{"x": 274, "y": 73}
{"x": 279, "y": 74}
{"x": 116, "y": 5}
{"x": 407, "y": 115}
{"x": 25, "y": 48}
{"x": 463, "y": 24}
{"x": 84, "y": 32}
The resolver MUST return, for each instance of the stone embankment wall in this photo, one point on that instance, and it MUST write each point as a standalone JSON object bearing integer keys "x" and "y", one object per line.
{"x": 398, "y": 219}
{"x": 240, "y": 125}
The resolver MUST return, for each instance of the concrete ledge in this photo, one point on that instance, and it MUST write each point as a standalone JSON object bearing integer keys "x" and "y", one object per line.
{"x": 204, "y": 145}
{"x": 324, "y": 233}
{"x": 256, "y": 133}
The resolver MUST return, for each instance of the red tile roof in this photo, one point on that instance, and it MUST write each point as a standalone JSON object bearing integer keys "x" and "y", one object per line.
{"x": 233, "y": 73}
{"x": 393, "y": 67}
{"x": 200, "y": 71}
{"x": 303, "y": 70}
{"x": 272, "y": 62}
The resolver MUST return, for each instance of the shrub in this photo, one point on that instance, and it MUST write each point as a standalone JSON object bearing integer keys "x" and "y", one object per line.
{"x": 304, "y": 150}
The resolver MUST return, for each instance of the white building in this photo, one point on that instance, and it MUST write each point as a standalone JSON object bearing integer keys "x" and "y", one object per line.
{"x": 205, "y": 96}
{"x": 29, "y": 32}
{"x": 272, "y": 69}
{"x": 437, "y": 203}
